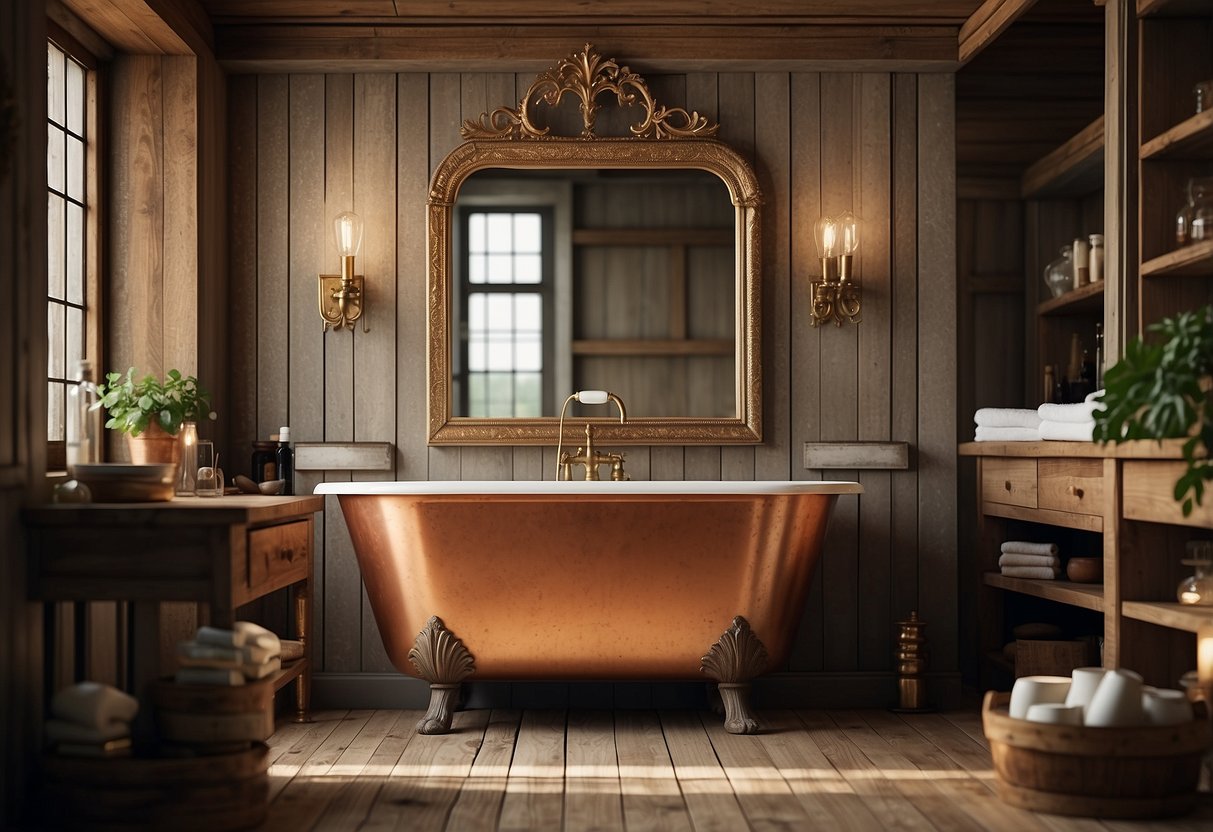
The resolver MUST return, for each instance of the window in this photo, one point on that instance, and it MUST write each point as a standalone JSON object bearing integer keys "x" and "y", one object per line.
{"x": 70, "y": 218}
{"x": 506, "y": 342}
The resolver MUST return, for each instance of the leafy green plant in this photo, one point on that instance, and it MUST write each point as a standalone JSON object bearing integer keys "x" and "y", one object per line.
{"x": 133, "y": 405}
{"x": 1159, "y": 391}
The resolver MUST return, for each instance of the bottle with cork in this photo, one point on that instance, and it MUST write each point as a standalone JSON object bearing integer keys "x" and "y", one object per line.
{"x": 285, "y": 460}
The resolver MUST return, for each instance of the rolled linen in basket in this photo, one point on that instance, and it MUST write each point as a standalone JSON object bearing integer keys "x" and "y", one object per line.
{"x": 94, "y": 705}
{"x": 985, "y": 434}
{"x": 1006, "y": 417}
{"x": 258, "y": 635}
{"x": 1039, "y": 572}
{"x": 1023, "y": 547}
{"x": 1020, "y": 559}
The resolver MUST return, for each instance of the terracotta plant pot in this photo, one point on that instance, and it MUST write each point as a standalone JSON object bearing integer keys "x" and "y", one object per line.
{"x": 153, "y": 445}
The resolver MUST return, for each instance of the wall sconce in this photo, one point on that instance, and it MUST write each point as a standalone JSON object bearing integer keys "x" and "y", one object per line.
{"x": 341, "y": 294}
{"x": 835, "y": 296}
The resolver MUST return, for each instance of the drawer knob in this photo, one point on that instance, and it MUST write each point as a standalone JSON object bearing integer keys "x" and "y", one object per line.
{"x": 1007, "y": 485}
{"x": 286, "y": 554}
{"x": 1075, "y": 491}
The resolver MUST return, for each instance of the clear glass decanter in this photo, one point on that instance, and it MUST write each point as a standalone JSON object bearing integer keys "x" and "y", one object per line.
{"x": 1194, "y": 222}
{"x": 1197, "y": 589}
{"x": 1059, "y": 274}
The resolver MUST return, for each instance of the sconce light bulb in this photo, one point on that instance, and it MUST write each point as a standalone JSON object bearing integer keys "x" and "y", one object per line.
{"x": 825, "y": 234}
{"x": 348, "y": 228}
{"x": 848, "y": 231}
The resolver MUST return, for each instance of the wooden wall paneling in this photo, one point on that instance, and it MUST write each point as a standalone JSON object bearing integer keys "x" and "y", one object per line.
{"x": 772, "y": 151}
{"x": 903, "y": 312}
{"x": 805, "y": 364}
{"x": 307, "y": 231}
{"x": 11, "y": 205}
{"x": 412, "y": 188}
{"x": 273, "y": 250}
{"x": 213, "y": 338}
{"x": 136, "y": 320}
{"x": 445, "y": 115}
{"x": 375, "y": 352}
{"x": 342, "y": 580}
{"x": 875, "y": 267}
{"x": 243, "y": 333}
{"x": 937, "y": 378}
{"x": 840, "y": 134}
{"x": 180, "y": 152}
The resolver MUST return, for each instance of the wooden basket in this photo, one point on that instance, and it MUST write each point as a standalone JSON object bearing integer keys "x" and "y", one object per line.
{"x": 213, "y": 714}
{"x": 211, "y": 793}
{"x": 1147, "y": 772}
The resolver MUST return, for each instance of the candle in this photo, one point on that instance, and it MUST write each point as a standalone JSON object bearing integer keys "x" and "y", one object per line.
{"x": 1204, "y": 656}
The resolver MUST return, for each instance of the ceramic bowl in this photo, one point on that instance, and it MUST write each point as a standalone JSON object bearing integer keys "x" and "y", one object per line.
{"x": 1085, "y": 570}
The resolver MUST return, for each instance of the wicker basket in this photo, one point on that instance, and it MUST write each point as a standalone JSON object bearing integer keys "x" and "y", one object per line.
{"x": 1147, "y": 772}
{"x": 213, "y": 715}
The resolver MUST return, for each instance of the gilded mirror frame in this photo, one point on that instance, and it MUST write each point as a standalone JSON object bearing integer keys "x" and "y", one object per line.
{"x": 667, "y": 138}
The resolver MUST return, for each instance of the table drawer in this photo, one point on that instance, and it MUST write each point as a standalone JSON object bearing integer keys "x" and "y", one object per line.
{"x": 1009, "y": 481}
{"x": 1073, "y": 485}
{"x": 278, "y": 555}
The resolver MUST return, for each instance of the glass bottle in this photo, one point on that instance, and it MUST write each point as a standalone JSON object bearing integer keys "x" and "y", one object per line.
{"x": 1194, "y": 222}
{"x": 1197, "y": 589}
{"x": 83, "y": 419}
{"x": 1097, "y": 257}
{"x": 286, "y": 460}
{"x": 1059, "y": 274}
{"x": 187, "y": 476}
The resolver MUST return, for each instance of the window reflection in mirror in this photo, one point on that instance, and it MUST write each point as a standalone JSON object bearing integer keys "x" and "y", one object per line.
{"x": 576, "y": 279}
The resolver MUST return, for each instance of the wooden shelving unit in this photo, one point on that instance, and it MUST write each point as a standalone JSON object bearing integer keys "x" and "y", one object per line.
{"x": 1087, "y": 596}
{"x": 1190, "y": 139}
{"x": 1085, "y": 300}
{"x": 1074, "y": 169}
{"x": 1171, "y": 8}
{"x": 1176, "y": 616}
{"x": 1192, "y": 260}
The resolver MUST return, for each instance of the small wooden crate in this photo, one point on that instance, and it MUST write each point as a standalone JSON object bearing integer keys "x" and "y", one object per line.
{"x": 209, "y": 793}
{"x": 217, "y": 715}
{"x": 1146, "y": 772}
{"x": 1053, "y": 657}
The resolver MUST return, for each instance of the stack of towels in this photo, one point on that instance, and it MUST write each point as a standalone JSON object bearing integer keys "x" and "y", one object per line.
{"x": 1021, "y": 559}
{"x": 228, "y": 657}
{"x": 1007, "y": 424}
{"x": 91, "y": 720}
{"x": 1073, "y": 422}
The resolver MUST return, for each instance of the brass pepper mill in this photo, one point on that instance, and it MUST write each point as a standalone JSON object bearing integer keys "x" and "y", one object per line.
{"x": 911, "y": 666}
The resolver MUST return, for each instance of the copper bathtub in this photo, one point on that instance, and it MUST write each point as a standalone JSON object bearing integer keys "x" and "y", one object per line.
{"x": 581, "y": 580}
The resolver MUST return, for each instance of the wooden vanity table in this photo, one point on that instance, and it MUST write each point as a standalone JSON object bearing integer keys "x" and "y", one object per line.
{"x": 222, "y": 552}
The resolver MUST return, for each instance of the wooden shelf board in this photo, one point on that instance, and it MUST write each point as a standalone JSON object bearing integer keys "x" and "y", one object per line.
{"x": 1074, "y": 169}
{"x": 1172, "y": 8}
{"x": 1087, "y": 596}
{"x": 1190, "y": 139}
{"x": 1141, "y": 449}
{"x": 290, "y": 671}
{"x": 1173, "y": 615}
{"x": 1079, "y": 301}
{"x": 639, "y": 346}
{"x": 1193, "y": 260}
{"x": 1070, "y": 520}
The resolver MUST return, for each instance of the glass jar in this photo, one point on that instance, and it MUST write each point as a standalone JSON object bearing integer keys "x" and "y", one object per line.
{"x": 187, "y": 475}
{"x": 1059, "y": 274}
{"x": 1194, "y": 222}
{"x": 1096, "y": 257}
{"x": 1197, "y": 589}
{"x": 265, "y": 461}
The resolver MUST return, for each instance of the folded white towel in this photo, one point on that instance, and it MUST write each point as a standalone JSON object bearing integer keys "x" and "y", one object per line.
{"x": 985, "y": 434}
{"x": 1020, "y": 559}
{"x": 1006, "y": 417}
{"x": 1081, "y": 412}
{"x": 258, "y": 635}
{"x": 58, "y": 730}
{"x": 209, "y": 676}
{"x": 201, "y": 650}
{"x": 1025, "y": 547}
{"x": 219, "y": 638}
{"x": 1068, "y": 431}
{"x": 94, "y": 705}
{"x": 1041, "y": 572}
{"x": 260, "y": 671}
{"x": 252, "y": 654}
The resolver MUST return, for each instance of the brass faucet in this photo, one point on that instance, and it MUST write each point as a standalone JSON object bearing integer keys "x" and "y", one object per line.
{"x": 586, "y": 455}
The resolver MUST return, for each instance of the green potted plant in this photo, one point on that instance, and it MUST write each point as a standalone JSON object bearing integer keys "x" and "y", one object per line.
{"x": 1159, "y": 390}
{"x": 151, "y": 412}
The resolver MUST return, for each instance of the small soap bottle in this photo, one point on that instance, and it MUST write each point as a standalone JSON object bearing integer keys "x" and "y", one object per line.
{"x": 285, "y": 459}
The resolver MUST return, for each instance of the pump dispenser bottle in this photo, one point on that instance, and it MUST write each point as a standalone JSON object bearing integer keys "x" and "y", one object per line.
{"x": 285, "y": 459}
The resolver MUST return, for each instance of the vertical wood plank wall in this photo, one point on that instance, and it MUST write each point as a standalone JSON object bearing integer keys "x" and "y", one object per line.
{"x": 304, "y": 147}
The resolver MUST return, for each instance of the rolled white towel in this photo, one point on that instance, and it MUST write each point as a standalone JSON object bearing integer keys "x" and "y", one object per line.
{"x": 260, "y": 671}
{"x": 209, "y": 676}
{"x": 1006, "y": 417}
{"x": 258, "y": 635}
{"x": 94, "y": 705}
{"x": 219, "y": 638}
{"x": 986, "y": 434}
{"x": 58, "y": 730}
{"x": 1042, "y": 572}
{"x": 1024, "y": 547}
{"x": 1068, "y": 431}
{"x": 1020, "y": 559}
{"x": 1083, "y": 411}
{"x": 252, "y": 654}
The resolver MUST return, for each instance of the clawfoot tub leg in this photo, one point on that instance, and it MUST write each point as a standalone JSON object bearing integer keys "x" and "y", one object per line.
{"x": 443, "y": 661}
{"x": 736, "y": 658}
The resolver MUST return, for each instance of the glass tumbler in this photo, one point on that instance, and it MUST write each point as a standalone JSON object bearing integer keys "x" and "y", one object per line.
{"x": 208, "y": 479}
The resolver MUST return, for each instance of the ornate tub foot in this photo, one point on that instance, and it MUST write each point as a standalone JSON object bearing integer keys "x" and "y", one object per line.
{"x": 443, "y": 661}
{"x": 736, "y": 658}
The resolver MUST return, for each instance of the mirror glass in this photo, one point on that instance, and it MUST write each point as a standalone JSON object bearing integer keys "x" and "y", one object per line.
{"x": 616, "y": 279}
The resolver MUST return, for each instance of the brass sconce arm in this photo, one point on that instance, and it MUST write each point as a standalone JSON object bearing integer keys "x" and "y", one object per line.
{"x": 341, "y": 295}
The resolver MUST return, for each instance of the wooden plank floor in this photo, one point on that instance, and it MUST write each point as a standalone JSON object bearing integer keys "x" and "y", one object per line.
{"x": 644, "y": 770}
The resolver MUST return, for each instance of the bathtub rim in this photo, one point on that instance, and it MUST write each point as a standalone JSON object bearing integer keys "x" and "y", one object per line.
{"x": 629, "y": 488}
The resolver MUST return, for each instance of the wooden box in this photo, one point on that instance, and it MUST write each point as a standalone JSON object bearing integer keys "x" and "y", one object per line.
{"x": 213, "y": 715}
{"x": 1048, "y": 657}
{"x": 1146, "y": 772}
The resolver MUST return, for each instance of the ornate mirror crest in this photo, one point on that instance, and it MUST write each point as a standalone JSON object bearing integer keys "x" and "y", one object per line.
{"x": 664, "y": 138}
{"x": 587, "y": 75}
